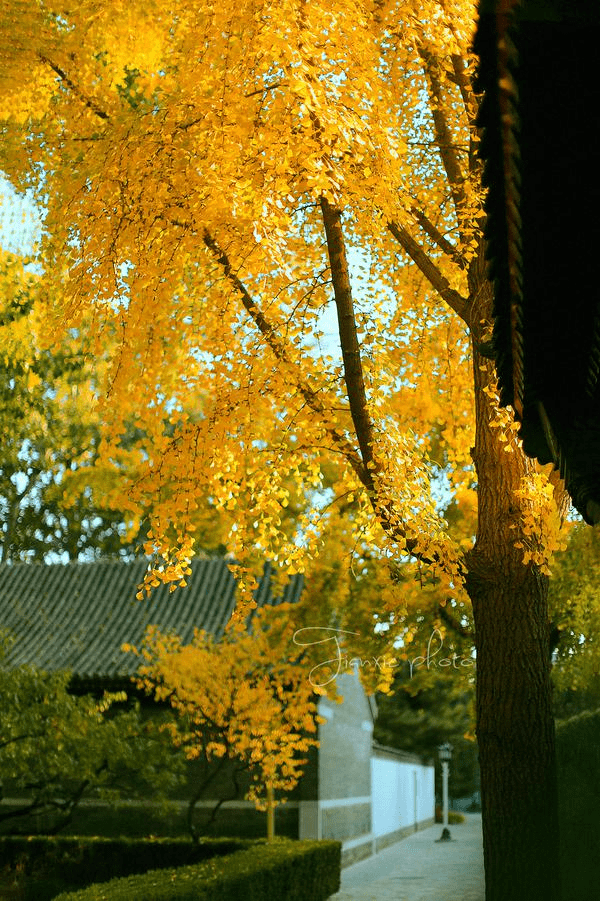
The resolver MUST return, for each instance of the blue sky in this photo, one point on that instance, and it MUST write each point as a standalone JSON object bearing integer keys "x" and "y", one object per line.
{"x": 20, "y": 223}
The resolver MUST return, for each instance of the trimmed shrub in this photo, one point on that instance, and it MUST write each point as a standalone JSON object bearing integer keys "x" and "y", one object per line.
{"x": 47, "y": 865}
{"x": 578, "y": 754}
{"x": 283, "y": 870}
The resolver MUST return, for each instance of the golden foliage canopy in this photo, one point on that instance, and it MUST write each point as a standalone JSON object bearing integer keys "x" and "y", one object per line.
{"x": 215, "y": 179}
{"x": 244, "y": 697}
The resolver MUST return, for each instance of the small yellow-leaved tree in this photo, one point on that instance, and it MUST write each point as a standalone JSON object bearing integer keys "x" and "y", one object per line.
{"x": 244, "y": 698}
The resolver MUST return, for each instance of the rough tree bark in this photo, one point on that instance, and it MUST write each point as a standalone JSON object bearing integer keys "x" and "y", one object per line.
{"x": 515, "y": 724}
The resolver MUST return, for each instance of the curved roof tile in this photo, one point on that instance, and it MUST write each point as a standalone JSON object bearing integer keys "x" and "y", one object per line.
{"x": 76, "y": 616}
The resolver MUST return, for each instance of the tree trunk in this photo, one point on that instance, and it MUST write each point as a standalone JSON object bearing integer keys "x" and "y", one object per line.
{"x": 515, "y": 724}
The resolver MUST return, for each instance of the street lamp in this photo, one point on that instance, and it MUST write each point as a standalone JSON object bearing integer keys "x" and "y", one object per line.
{"x": 445, "y": 755}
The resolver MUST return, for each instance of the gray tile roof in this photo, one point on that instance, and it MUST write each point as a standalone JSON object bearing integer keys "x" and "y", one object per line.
{"x": 76, "y": 616}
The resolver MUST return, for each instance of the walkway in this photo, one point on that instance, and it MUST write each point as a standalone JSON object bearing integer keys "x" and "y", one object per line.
{"x": 420, "y": 869}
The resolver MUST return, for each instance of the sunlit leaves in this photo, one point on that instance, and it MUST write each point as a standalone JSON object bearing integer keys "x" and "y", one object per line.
{"x": 55, "y": 494}
{"x": 180, "y": 157}
{"x": 165, "y": 127}
{"x": 244, "y": 697}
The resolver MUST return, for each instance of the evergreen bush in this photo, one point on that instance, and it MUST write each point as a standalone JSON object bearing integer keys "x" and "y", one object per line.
{"x": 282, "y": 870}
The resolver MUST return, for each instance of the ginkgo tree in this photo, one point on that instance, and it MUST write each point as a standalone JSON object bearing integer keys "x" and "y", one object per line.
{"x": 243, "y": 700}
{"x": 221, "y": 183}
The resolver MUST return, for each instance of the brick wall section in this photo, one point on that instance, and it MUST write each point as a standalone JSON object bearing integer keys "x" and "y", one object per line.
{"x": 345, "y": 762}
{"x": 345, "y": 743}
{"x": 346, "y": 821}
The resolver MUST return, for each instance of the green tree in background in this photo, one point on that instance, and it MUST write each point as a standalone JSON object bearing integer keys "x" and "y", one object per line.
{"x": 57, "y": 749}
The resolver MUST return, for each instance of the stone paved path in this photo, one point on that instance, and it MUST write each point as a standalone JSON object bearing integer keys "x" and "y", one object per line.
{"x": 420, "y": 869}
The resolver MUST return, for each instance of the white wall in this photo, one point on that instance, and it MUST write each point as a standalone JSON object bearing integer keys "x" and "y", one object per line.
{"x": 403, "y": 792}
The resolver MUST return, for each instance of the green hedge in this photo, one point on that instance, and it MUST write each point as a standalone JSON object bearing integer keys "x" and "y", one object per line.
{"x": 51, "y": 864}
{"x": 578, "y": 755}
{"x": 283, "y": 870}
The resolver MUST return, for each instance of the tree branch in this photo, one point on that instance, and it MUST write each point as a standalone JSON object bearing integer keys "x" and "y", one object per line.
{"x": 278, "y": 348}
{"x": 438, "y": 238}
{"x": 236, "y": 794}
{"x": 439, "y": 282}
{"x": 90, "y": 104}
{"x": 353, "y": 373}
{"x": 462, "y": 80}
{"x": 68, "y": 806}
{"x": 354, "y": 380}
{"x": 364, "y": 472}
{"x": 443, "y": 135}
{"x": 213, "y": 772}
{"x": 470, "y": 100}
{"x": 10, "y": 741}
{"x": 33, "y": 807}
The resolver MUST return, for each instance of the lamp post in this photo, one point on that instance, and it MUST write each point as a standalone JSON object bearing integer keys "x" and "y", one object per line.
{"x": 445, "y": 754}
